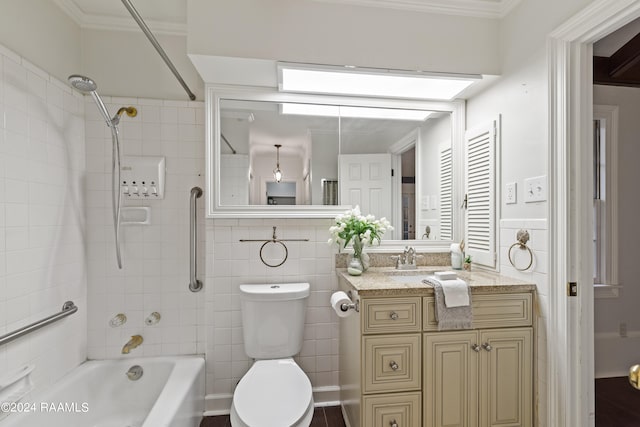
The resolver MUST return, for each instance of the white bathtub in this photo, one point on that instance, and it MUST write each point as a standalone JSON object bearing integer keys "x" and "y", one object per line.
{"x": 170, "y": 393}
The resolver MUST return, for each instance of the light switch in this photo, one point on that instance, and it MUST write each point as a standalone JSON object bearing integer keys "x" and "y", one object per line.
{"x": 535, "y": 189}
{"x": 511, "y": 194}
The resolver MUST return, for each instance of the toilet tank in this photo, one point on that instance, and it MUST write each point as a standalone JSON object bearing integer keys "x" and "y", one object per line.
{"x": 273, "y": 319}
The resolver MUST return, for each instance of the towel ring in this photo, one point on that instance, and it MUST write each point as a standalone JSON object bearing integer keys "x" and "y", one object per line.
{"x": 274, "y": 239}
{"x": 286, "y": 252}
{"x": 523, "y": 238}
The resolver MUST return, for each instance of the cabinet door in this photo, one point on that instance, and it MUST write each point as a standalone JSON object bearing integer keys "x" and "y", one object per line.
{"x": 450, "y": 379}
{"x": 505, "y": 388}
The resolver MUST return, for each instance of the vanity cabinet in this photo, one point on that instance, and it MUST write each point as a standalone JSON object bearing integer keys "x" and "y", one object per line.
{"x": 478, "y": 378}
{"x": 398, "y": 370}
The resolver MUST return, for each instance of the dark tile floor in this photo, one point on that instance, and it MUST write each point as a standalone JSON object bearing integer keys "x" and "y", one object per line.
{"x": 330, "y": 416}
{"x": 617, "y": 403}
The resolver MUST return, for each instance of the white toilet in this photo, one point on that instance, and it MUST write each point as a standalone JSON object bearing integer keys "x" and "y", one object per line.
{"x": 275, "y": 392}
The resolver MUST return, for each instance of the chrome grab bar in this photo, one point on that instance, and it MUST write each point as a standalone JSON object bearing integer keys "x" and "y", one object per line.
{"x": 68, "y": 308}
{"x": 195, "y": 285}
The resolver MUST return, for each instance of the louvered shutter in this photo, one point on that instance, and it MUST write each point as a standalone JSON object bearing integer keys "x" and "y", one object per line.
{"x": 446, "y": 193}
{"x": 480, "y": 175}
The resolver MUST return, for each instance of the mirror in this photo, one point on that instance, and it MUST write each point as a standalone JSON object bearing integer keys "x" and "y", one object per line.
{"x": 397, "y": 160}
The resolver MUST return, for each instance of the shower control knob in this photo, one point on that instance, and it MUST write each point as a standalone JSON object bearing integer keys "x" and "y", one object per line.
{"x": 134, "y": 190}
{"x": 125, "y": 190}
{"x": 145, "y": 191}
{"x": 154, "y": 191}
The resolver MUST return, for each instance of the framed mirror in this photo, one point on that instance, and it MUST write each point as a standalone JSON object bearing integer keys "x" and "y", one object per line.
{"x": 282, "y": 155}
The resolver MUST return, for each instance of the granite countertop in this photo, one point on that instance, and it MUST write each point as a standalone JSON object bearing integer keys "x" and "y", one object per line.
{"x": 385, "y": 281}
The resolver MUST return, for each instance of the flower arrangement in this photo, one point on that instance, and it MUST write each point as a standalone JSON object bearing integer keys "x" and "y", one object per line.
{"x": 359, "y": 230}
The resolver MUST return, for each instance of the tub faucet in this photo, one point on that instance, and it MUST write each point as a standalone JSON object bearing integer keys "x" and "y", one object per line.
{"x": 135, "y": 341}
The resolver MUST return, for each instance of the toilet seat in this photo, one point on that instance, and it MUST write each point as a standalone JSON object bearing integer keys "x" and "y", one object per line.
{"x": 273, "y": 393}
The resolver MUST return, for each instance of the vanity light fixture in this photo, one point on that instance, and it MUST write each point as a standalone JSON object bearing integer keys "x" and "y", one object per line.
{"x": 372, "y": 82}
{"x": 360, "y": 112}
{"x": 277, "y": 173}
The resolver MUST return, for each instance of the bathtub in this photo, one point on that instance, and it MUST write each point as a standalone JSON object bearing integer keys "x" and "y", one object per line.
{"x": 170, "y": 393}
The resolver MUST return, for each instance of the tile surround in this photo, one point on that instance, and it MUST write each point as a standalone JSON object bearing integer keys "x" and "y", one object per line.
{"x": 155, "y": 257}
{"x": 42, "y": 221}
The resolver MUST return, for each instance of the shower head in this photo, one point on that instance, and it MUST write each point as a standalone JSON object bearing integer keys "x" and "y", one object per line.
{"x": 86, "y": 85}
{"x": 82, "y": 83}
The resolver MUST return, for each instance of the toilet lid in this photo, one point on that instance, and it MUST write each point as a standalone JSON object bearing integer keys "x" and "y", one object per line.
{"x": 274, "y": 393}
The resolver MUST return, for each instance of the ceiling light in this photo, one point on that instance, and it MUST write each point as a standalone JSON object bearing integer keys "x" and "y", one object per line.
{"x": 277, "y": 173}
{"x": 348, "y": 81}
{"x": 359, "y": 112}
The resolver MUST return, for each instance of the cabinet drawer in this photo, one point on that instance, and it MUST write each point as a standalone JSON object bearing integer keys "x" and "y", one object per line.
{"x": 388, "y": 315}
{"x": 392, "y": 363}
{"x": 489, "y": 311}
{"x": 403, "y": 409}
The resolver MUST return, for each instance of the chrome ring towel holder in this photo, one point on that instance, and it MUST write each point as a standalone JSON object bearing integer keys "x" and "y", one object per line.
{"x": 523, "y": 238}
{"x": 274, "y": 239}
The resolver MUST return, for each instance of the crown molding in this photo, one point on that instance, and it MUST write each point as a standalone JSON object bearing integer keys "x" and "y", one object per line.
{"x": 475, "y": 8}
{"x": 117, "y": 23}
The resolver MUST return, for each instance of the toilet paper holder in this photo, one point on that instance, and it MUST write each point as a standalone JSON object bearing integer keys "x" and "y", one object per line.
{"x": 350, "y": 306}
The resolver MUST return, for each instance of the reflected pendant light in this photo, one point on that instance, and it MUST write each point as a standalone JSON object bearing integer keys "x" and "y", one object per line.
{"x": 277, "y": 173}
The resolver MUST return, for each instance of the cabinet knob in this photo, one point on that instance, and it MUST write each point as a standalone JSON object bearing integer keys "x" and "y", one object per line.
{"x": 475, "y": 347}
{"x": 393, "y": 315}
{"x": 393, "y": 365}
{"x": 393, "y": 423}
{"x": 487, "y": 346}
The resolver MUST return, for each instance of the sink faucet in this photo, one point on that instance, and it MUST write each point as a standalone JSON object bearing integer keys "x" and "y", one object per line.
{"x": 407, "y": 260}
{"x": 135, "y": 341}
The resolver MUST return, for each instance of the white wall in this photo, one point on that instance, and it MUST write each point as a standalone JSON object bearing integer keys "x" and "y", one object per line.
{"x": 155, "y": 257}
{"x": 614, "y": 354}
{"x": 328, "y": 33}
{"x": 41, "y": 33}
{"x": 124, "y": 63}
{"x": 42, "y": 219}
{"x": 520, "y": 97}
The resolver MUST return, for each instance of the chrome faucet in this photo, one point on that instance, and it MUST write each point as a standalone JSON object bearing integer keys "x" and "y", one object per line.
{"x": 134, "y": 342}
{"x": 407, "y": 260}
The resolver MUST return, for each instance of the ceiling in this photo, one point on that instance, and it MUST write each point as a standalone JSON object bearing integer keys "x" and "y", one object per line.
{"x": 616, "y": 57}
{"x": 170, "y": 16}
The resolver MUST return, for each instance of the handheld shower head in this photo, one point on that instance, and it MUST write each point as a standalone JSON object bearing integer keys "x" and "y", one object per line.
{"x": 86, "y": 85}
{"x": 82, "y": 83}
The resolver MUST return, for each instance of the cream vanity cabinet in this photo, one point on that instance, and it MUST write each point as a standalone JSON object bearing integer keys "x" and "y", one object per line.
{"x": 397, "y": 370}
{"x": 481, "y": 377}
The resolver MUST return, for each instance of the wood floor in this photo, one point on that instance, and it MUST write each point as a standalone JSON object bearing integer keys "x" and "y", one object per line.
{"x": 617, "y": 403}
{"x": 329, "y": 416}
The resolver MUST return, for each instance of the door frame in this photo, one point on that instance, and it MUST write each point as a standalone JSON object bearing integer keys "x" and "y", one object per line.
{"x": 570, "y": 370}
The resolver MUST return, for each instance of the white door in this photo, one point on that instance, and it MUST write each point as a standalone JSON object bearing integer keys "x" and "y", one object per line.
{"x": 365, "y": 180}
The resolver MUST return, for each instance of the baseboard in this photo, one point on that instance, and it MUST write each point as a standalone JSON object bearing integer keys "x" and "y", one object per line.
{"x": 614, "y": 355}
{"x": 220, "y": 404}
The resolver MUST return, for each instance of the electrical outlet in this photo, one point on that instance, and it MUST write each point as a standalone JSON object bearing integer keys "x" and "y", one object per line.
{"x": 623, "y": 329}
{"x": 511, "y": 194}
{"x": 535, "y": 189}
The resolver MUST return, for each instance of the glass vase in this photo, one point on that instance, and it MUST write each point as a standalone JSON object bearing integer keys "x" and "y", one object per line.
{"x": 359, "y": 260}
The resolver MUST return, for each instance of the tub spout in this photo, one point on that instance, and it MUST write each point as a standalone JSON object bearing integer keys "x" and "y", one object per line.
{"x": 135, "y": 341}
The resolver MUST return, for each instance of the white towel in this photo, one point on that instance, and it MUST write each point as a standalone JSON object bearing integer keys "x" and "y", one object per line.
{"x": 456, "y": 292}
{"x": 449, "y": 317}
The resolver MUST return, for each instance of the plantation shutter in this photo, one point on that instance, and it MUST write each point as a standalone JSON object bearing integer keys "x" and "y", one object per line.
{"x": 446, "y": 193}
{"x": 480, "y": 175}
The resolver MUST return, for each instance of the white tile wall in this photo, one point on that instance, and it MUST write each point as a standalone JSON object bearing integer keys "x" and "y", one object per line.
{"x": 42, "y": 220}
{"x": 231, "y": 263}
{"x": 538, "y": 274}
{"x": 155, "y": 274}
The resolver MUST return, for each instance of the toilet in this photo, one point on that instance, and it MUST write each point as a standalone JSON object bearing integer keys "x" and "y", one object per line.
{"x": 275, "y": 392}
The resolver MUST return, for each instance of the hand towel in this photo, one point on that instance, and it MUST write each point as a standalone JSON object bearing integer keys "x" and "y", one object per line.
{"x": 460, "y": 317}
{"x": 456, "y": 293}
